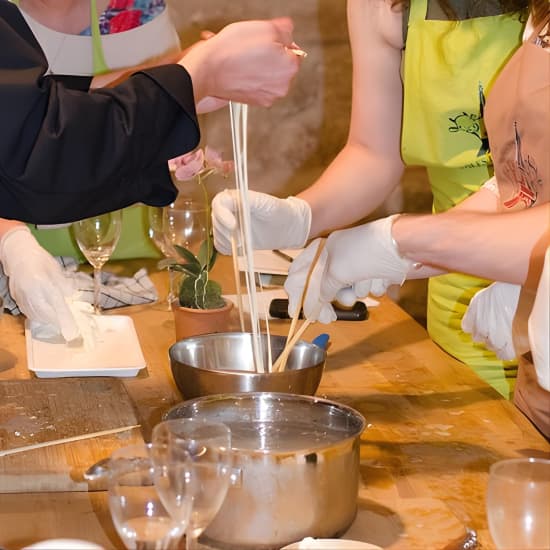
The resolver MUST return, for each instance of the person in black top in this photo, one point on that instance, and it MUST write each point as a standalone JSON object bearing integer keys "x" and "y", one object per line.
{"x": 67, "y": 153}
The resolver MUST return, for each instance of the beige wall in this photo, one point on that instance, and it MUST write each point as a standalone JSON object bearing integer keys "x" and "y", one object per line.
{"x": 291, "y": 142}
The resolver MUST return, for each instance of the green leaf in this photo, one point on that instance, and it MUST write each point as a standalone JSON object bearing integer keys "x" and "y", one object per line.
{"x": 187, "y": 255}
{"x": 191, "y": 270}
{"x": 213, "y": 259}
{"x": 204, "y": 252}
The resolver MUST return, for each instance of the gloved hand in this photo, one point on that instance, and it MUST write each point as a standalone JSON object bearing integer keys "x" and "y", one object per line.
{"x": 37, "y": 282}
{"x": 489, "y": 318}
{"x": 364, "y": 258}
{"x": 275, "y": 223}
{"x": 539, "y": 327}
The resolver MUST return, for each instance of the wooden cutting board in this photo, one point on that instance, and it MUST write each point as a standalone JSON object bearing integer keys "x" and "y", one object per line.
{"x": 45, "y": 410}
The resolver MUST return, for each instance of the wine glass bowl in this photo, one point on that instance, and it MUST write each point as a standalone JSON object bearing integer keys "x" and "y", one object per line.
{"x": 97, "y": 238}
{"x": 186, "y": 225}
{"x": 209, "y": 447}
{"x": 156, "y": 234}
{"x": 137, "y": 509}
{"x": 518, "y": 504}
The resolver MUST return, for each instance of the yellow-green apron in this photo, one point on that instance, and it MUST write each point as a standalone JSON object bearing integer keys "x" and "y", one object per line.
{"x": 449, "y": 67}
{"x": 134, "y": 240}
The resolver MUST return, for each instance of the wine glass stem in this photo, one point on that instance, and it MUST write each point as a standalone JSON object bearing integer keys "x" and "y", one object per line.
{"x": 171, "y": 295}
{"x": 97, "y": 289}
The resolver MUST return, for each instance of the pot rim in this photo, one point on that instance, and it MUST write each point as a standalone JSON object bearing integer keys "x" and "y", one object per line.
{"x": 346, "y": 409}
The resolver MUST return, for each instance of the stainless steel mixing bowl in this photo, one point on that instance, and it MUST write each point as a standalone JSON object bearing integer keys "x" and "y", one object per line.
{"x": 224, "y": 363}
{"x": 296, "y": 462}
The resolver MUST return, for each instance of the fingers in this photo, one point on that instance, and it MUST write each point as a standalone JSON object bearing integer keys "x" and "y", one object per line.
{"x": 284, "y": 27}
{"x": 346, "y": 297}
{"x": 67, "y": 323}
{"x": 209, "y": 104}
{"x": 207, "y": 35}
{"x": 224, "y": 220}
{"x": 297, "y": 277}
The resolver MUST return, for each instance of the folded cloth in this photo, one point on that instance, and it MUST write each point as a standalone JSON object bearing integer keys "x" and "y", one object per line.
{"x": 115, "y": 291}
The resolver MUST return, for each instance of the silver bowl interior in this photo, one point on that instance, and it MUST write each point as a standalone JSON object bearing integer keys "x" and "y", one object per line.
{"x": 276, "y": 422}
{"x": 234, "y": 352}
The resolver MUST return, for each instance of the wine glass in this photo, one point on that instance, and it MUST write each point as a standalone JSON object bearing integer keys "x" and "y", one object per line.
{"x": 209, "y": 446}
{"x": 186, "y": 225}
{"x": 138, "y": 510}
{"x": 518, "y": 504}
{"x": 97, "y": 238}
{"x": 156, "y": 234}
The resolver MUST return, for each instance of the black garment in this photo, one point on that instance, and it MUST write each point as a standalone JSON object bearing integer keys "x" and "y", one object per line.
{"x": 67, "y": 154}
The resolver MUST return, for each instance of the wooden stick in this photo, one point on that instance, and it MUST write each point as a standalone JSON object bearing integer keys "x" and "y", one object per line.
{"x": 280, "y": 363}
{"x": 7, "y": 452}
{"x": 237, "y": 281}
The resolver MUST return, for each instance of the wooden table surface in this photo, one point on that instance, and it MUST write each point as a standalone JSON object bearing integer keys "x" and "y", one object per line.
{"x": 434, "y": 428}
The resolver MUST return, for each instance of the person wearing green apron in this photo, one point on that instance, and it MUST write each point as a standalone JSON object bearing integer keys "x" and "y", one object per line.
{"x": 419, "y": 86}
{"x": 136, "y": 34}
{"x": 450, "y": 139}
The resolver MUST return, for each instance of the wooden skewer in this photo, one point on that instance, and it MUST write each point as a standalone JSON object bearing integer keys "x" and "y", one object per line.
{"x": 237, "y": 281}
{"x": 7, "y": 452}
{"x": 280, "y": 363}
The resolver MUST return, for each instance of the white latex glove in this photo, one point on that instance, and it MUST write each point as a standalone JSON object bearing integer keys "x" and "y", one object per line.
{"x": 275, "y": 223}
{"x": 353, "y": 263}
{"x": 489, "y": 318}
{"x": 539, "y": 327}
{"x": 37, "y": 283}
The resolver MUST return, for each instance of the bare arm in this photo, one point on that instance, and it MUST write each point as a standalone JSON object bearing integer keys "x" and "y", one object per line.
{"x": 369, "y": 166}
{"x": 473, "y": 238}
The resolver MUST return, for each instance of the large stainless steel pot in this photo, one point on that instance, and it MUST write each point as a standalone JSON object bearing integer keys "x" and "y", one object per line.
{"x": 297, "y": 465}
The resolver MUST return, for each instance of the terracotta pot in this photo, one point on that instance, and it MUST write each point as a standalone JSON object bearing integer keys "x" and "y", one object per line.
{"x": 190, "y": 322}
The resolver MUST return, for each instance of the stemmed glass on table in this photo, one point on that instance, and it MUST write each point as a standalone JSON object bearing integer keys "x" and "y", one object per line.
{"x": 185, "y": 225}
{"x": 97, "y": 238}
{"x": 149, "y": 496}
{"x": 518, "y": 504}
{"x": 209, "y": 447}
{"x": 156, "y": 234}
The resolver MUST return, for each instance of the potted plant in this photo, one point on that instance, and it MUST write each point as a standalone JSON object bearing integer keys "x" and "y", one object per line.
{"x": 199, "y": 307}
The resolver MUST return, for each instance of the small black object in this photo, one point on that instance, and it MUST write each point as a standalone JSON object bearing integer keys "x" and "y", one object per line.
{"x": 359, "y": 312}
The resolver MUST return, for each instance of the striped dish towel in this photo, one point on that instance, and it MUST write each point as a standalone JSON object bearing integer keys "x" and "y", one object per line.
{"x": 115, "y": 291}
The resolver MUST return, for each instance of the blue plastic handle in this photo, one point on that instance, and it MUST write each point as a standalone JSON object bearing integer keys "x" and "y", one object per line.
{"x": 321, "y": 340}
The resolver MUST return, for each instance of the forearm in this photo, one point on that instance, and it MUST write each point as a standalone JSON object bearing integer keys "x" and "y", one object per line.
{"x": 494, "y": 246}
{"x": 353, "y": 185}
{"x": 370, "y": 166}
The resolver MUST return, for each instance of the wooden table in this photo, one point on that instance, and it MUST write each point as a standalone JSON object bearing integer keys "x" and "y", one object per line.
{"x": 434, "y": 428}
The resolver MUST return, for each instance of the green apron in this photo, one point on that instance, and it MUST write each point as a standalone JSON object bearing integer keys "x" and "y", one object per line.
{"x": 449, "y": 67}
{"x": 134, "y": 239}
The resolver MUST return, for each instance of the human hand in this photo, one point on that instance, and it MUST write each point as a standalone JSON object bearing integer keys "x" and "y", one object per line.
{"x": 354, "y": 262}
{"x": 275, "y": 223}
{"x": 247, "y": 62}
{"x": 489, "y": 318}
{"x": 37, "y": 282}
